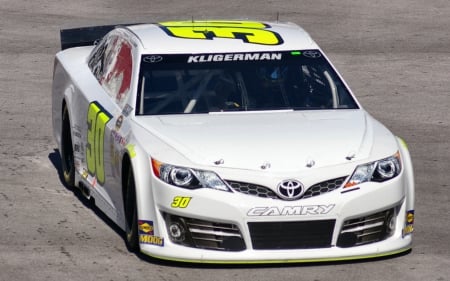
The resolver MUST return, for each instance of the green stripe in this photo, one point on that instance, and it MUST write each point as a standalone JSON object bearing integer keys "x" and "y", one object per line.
{"x": 403, "y": 143}
{"x": 286, "y": 261}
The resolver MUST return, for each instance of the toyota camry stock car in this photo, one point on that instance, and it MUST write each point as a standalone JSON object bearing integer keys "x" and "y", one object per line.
{"x": 227, "y": 142}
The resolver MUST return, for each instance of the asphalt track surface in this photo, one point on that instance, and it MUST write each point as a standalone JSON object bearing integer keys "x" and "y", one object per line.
{"x": 395, "y": 54}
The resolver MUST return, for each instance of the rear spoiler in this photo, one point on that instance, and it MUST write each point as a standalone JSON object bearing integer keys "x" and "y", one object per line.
{"x": 85, "y": 36}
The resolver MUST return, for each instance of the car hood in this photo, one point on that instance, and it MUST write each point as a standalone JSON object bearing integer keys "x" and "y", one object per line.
{"x": 283, "y": 141}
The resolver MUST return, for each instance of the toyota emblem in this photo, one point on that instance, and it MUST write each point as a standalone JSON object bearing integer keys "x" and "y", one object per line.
{"x": 290, "y": 189}
{"x": 312, "y": 54}
{"x": 153, "y": 59}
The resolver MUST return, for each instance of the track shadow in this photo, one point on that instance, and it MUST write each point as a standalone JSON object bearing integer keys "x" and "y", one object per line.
{"x": 55, "y": 159}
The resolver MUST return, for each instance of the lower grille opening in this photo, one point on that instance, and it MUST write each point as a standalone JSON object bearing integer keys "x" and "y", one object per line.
{"x": 204, "y": 234}
{"x": 368, "y": 229}
{"x": 291, "y": 235}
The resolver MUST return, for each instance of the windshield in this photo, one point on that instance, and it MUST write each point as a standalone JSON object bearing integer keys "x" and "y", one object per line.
{"x": 203, "y": 83}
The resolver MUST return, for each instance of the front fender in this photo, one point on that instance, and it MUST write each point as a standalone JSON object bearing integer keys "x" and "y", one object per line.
{"x": 140, "y": 161}
{"x": 409, "y": 172}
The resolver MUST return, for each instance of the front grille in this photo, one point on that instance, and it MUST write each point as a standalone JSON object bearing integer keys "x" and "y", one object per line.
{"x": 368, "y": 229}
{"x": 323, "y": 187}
{"x": 291, "y": 235}
{"x": 206, "y": 234}
{"x": 265, "y": 192}
{"x": 253, "y": 189}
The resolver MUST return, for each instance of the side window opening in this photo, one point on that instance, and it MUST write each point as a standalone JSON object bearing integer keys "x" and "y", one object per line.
{"x": 96, "y": 63}
{"x": 112, "y": 65}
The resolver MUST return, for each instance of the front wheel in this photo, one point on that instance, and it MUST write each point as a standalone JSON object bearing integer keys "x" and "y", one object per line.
{"x": 131, "y": 228}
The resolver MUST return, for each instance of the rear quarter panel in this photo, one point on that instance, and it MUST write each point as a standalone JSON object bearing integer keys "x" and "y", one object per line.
{"x": 66, "y": 71}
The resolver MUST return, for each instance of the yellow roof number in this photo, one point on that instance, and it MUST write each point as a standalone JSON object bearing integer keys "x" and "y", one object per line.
{"x": 248, "y": 31}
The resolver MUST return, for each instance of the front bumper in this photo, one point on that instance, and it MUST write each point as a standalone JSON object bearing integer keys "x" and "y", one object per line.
{"x": 232, "y": 227}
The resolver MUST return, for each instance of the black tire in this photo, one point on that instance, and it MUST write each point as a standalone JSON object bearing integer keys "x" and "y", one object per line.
{"x": 67, "y": 158}
{"x": 131, "y": 224}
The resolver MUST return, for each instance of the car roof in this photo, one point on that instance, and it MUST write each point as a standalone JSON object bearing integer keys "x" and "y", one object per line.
{"x": 220, "y": 36}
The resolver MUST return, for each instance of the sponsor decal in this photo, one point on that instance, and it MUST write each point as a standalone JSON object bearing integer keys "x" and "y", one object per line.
{"x": 180, "y": 202}
{"x": 234, "y": 57}
{"x": 146, "y": 234}
{"x": 127, "y": 110}
{"x": 119, "y": 122}
{"x": 77, "y": 163}
{"x": 115, "y": 160}
{"x": 77, "y": 134}
{"x": 85, "y": 174}
{"x": 118, "y": 138}
{"x": 290, "y": 210}
{"x": 150, "y": 239}
{"x": 92, "y": 181}
{"x": 76, "y": 130}
{"x": 145, "y": 227}
{"x": 408, "y": 230}
{"x": 78, "y": 147}
{"x": 409, "y": 224}
{"x": 247, "y": 31}
{"x": 410, "y": 217}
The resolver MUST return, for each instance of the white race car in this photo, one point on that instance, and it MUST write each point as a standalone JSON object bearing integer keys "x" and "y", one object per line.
{"x": 228, "y": 142}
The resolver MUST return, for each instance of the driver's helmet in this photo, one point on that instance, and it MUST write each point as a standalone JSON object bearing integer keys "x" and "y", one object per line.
{"x": 273, "y": 74}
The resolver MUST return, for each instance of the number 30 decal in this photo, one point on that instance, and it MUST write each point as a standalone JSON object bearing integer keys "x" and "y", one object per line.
{"x": 247, "y": 31}
{"x": 180, "y": 202}
{"x": 97, "y": 119}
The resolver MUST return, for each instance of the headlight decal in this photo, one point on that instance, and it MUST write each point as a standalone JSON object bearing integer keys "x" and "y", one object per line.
{"x": 178, "y": 176}
{"x": 187, "y": 177}
{"x": 377, "y": 171}
{"x": 387, "y": 168}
